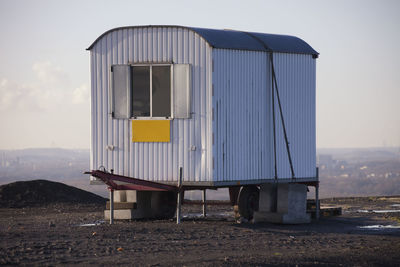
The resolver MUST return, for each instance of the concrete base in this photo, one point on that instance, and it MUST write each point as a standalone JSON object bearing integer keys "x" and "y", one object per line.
{"x": 120, "y": 214}
{"x": 274, "y": 217}
{"x": 131, "y": 195}
{"x": 283, "y": 203}
{"x": 125, "y": 196}
{"x": 268, "y": 197}
{"x": 119, "y": 195}
{"x": 130, "y": 204}
{"x": 128, "y": 214}
{"x": 122, "y": 205}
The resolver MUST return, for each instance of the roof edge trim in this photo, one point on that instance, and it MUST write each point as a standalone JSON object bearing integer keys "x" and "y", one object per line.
{"x": 131, "y": 27}
{"x": 236, "y": 40}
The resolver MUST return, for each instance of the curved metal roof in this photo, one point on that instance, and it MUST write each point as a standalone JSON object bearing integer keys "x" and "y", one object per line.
{"x": 231, "y": 39}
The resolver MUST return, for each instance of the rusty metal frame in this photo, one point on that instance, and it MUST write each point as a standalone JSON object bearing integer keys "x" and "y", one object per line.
{"x": 143, "y": 185}
{"x": 133, "y": 183}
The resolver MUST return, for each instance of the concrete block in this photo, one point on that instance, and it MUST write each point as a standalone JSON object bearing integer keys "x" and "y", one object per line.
{"x": 281, "y": 218}
{"x": 292, "y": 198}
{"x": 120, "y": 196}
{"x": 291, "y": 204}
{"x": 126, "y": 214}
{"x": 131, "y": 196}
{"x": 129, "y": 214}
{"x": 264, "y": 216}
{"x": 267, "y": 200}
{"x": 122, "y": 205}
{"x": 140, "y": 210}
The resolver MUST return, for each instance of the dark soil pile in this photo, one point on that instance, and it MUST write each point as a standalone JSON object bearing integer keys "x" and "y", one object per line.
{"x": 43, "y": 192}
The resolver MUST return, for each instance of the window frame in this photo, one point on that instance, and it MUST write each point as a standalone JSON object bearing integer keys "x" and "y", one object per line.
{"x": 174, "y": 92}
{"x": 151, "y": 117}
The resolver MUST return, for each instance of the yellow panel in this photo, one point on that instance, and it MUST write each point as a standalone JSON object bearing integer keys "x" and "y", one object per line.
{"x": 151, "y": 130}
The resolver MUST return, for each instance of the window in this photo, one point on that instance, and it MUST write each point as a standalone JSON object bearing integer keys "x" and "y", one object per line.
{"x": 146, "y": 91}
{"x": 161, "y": 91}
{"x": 140, "y": 91}
{"x": 151, "y": 91}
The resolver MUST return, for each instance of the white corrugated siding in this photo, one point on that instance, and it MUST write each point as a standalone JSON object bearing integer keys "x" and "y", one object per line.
{"x": 295, "y": 75}
{"x": 242, "y": 125}
{"x": 153, "y": 161}
{"x": 242, "y": 130}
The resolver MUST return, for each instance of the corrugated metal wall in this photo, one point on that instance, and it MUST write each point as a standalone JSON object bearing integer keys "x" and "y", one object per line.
{"x": 295, "y": 75}
{"x": 153, "y": 161}
{"x": 242, "y": 123}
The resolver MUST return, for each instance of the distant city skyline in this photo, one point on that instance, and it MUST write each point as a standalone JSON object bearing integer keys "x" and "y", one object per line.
{"x": 45, "y": 79}
{"x": 343, "y": 172}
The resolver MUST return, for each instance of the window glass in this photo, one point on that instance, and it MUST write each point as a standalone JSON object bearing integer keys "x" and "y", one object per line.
{"x": 140, "y": 91}
{"x": 161, "y": 91}
{"x": 120, "y": 91}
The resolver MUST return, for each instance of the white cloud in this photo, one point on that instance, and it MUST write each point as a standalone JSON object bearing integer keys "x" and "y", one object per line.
{"x": 48, "y": 108}
{"x": 17, "y": 96}
{"x": 80, "y": 95}
{"x": 48, "y": 91}
{"x": 49, "y": 74}
{"x": 7, "y": 94}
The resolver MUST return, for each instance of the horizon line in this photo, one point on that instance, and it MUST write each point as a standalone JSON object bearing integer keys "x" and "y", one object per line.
{"x": 88, "y": 148}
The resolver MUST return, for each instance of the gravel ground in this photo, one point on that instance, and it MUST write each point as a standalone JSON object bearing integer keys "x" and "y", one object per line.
{"x": 76, "y": 234}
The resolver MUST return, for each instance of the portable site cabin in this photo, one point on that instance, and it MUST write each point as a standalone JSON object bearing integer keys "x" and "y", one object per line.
{"x": 228, "y": 107}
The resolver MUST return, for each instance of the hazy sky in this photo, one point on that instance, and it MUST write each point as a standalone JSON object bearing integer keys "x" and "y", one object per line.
{"x": 44, "y": 68}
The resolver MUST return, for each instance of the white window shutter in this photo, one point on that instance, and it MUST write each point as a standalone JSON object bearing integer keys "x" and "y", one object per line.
{"x": 181, "y": 91}
{"x": 120, "y": 91}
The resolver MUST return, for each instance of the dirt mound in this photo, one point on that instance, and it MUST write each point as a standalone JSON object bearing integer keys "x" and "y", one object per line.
{"x": 43, "y": 192}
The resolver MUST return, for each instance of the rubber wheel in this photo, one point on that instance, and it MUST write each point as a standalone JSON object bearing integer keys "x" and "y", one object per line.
{"x": 163, "y": 204}
{"x": 248, "y": 201}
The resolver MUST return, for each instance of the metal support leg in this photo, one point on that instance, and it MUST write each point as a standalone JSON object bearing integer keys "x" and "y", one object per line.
{"x": 317, "y": 201}
{"x": 204, "y": 204}
{"x": 178, "y": 206}
{"x": 111, "y": 206}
